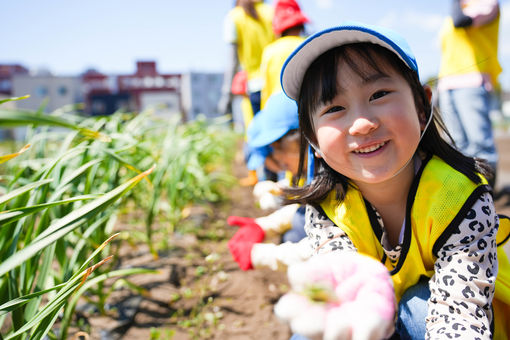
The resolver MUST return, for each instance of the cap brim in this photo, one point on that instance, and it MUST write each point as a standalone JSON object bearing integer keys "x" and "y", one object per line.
{"x": 267, "y": 138}
{"x": 298, "y": 62}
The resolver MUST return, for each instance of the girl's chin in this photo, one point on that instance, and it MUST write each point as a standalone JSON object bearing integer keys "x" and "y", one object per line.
{"x": 375, "y": 177}
{"x": 381, "y": 175}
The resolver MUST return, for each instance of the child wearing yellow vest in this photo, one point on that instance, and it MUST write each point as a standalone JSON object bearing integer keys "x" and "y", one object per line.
{"x": 288, "y": 27}
{"x": 468, "y": 76}
{"x": 386, "y": 184}
{"x": 247, "y": 30}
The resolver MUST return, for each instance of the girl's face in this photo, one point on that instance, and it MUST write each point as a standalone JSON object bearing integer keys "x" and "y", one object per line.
{"x": 370, "y": 129}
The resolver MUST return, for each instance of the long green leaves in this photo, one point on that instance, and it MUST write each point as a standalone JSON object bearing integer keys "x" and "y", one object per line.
{"x": 62, "y": 196}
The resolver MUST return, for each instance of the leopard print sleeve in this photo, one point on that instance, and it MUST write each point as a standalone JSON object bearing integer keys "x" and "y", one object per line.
{"x": 323, "y": 234}
{"x": 463, "y": 285}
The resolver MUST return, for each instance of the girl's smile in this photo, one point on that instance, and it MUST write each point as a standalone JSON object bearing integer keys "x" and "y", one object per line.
{"x": 371, "y": 149}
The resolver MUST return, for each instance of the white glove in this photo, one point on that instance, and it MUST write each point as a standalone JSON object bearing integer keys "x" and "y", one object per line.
{"x": 279, "y": 221}
{"x": 279, "y": 257}
{"x": 267, "y": 193}
{"x": 264, "y": 187}
{"x": 339, "y": 295}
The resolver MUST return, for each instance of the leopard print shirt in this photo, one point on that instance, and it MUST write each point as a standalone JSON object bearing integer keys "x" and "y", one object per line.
{"x": 463, "y": 285}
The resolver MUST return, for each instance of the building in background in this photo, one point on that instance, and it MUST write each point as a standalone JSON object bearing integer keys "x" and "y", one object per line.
{"x": 100, "y": 97}
{"x": 148, "y": 89}
{"x": 187, "y": 95}
{"x": 7, "y": 72}
{"x": 200, "y": 94}
{"x": 47, "y": 91}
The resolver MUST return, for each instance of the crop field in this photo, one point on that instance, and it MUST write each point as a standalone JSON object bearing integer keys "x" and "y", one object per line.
{"x": 115, "y": 227}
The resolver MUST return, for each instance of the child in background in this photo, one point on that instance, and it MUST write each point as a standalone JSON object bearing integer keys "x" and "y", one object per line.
{"x": 247, "y": 30}
{"x": 468, "y": 76}
{"x": 387, "y": 185}
{"x": 288, "y": 25}
{"x": 275, "y": 126}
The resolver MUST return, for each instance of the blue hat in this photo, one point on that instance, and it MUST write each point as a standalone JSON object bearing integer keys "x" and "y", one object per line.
{"x": 279, "y": 116}
{"x": 350, "y": 32}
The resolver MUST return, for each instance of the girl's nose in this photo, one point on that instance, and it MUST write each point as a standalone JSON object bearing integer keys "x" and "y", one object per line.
{"x": 363, "y": 125}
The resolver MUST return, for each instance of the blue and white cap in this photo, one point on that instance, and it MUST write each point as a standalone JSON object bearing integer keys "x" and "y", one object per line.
{"x": 349, "y": 32}
{"x": 279, "y": 116}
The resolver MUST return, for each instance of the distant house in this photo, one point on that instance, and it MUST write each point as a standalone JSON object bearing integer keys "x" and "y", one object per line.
{"x": 100, "y": 95}
{"x": 147, "y": 88}
{"x": 201, "y": 93}
{"x": 47, "y": 91}
{"x": 187, "y": 95}
{"x": 7, "y": 72}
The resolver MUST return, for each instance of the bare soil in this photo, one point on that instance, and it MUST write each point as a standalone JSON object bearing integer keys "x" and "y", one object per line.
{"x": 191, "y": 298}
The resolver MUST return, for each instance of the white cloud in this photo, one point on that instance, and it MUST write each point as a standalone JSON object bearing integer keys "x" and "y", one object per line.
{"x": 428, "y": 22}
{"x": 425, "y": 21}
{"x": 389, "y": 20}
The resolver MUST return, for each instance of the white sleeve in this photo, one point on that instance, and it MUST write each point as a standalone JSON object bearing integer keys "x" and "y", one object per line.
{"x": 462, "y": 288}
{"x": 229, "y": 30}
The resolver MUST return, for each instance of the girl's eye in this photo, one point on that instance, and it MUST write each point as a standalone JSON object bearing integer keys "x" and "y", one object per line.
{"x": 379, "y": 94}
{"x": 334, "y": 109}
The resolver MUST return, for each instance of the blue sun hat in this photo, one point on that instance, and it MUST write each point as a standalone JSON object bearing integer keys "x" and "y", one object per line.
{"x": 349, "y": 32}
{"x": 279, "y": 116}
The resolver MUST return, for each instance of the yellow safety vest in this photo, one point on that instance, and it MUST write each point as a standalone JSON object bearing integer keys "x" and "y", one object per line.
{"x": 471, "y": 49}
{"x": 438, "y": 195}
{"x": 252, "y": 36}
{"x": 273, "y": 58}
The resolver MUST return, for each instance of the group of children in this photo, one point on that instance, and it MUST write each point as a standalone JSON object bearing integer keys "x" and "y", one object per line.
{"x": 260, "y": 37}
{"x": 384, "y": 182}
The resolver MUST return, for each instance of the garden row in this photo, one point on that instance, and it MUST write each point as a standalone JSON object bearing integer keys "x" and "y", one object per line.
{"x": 62, "y": 192}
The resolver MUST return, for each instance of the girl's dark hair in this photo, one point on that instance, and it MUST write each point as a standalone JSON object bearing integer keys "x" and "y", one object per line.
{"x": 320, "y": 86}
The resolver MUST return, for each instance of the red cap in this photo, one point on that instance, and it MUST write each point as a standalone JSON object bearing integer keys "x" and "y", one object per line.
{"x": 287, "y": 14}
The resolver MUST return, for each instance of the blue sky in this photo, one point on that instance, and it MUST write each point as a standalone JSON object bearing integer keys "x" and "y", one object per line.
{"x": 67, "y": 37}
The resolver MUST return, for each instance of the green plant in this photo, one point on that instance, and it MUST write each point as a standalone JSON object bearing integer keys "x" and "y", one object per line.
{"x": 63, "y": 192}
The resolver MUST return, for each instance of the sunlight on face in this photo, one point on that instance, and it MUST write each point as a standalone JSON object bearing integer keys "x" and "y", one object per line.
{"x": 370, "y": 129}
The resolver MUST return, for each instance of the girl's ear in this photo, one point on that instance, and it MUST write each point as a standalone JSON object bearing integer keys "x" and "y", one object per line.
{"x": 428, "y": 92}
{"x": 422, "y": 115}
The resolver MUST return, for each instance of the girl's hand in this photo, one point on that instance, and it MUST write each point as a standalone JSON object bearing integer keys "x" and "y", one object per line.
{"x": 339, "y": 295}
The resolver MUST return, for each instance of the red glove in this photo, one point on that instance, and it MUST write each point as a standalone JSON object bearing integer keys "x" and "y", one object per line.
{"x": 240, "y": 221}
{"x": 242, "y": 242}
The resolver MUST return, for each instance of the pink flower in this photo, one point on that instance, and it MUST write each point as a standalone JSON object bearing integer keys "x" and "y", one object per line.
{"x": 339, "y": 295}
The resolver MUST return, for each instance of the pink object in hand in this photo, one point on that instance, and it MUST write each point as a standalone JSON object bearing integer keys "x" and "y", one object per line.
{"x": 339, "y": 295}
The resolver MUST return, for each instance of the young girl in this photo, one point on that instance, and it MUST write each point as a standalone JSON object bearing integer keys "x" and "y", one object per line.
{"x": 389, "y": 186}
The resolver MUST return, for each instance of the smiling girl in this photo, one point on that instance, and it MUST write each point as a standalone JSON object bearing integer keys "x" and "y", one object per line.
{"x": 386, "y": 184}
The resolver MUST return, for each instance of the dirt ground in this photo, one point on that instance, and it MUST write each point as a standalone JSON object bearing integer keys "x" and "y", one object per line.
{"x": 198, "y": 297}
